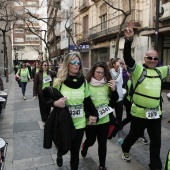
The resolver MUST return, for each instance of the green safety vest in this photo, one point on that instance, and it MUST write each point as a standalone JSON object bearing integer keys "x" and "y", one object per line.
{"x": 167, "y": 163}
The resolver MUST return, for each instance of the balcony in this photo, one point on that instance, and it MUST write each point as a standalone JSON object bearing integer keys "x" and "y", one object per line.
{"x": 83, "y": 37}
{"x": 83, "y": 5}
{"x": 112, "y": 25}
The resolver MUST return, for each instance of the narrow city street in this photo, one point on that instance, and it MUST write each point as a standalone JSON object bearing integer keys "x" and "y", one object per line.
{"x": 21, "y": 127}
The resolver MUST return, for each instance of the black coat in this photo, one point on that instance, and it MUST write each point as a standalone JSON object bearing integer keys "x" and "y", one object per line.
{"x": 59, "y": 126}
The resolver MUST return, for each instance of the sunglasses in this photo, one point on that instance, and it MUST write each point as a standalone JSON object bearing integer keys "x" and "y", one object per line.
{"x": 74, "y": 62}
{"x": 45, "y": 65}
{"x": 152, "y": 58}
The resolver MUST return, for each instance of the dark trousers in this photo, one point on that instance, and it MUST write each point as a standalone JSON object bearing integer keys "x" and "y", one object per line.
{"x": 23, "y": 87}
{"x": 154, "y": 130}
{"x": 127, "y": 105}
{"x": 45, "y": 109}
{"x": 100, "y": 132}
{"x": 119, "y": 113}
{"x": 75, "y": 149}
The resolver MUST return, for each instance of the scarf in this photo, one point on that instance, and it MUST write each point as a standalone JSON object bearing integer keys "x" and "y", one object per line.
{"x": 74, "y": 82}
{"x": 95, "y": 82}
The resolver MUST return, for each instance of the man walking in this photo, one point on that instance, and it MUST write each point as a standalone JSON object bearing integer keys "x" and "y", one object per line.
{"x": 145, "y": 109}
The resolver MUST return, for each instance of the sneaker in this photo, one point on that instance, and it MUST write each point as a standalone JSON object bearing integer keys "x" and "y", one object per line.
{"x": 24, "y": 98}
{"x": 83, "y": 151}
{"x": 143, "y": 140}
{"x": 59, "y": 161}
{"x": 125, "y": 157}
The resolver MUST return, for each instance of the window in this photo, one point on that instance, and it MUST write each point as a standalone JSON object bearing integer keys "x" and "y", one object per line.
{"x": 19, "y": 12}
{"x": 103, "y": 20}
{"x": 31, "y": 3}
{"x": 19, "y": 40}
{"x": 19, "y": 31}
{"x": 20, "y": 22}
{"x": 31, "y": 10}
{"x": 85, "y": 26}
{"x": 18, "y": 3}
{"x": 32, "y": 38}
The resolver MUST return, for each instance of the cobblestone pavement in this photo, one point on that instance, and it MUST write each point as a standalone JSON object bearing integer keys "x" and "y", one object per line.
{"x": 21, "y": 127}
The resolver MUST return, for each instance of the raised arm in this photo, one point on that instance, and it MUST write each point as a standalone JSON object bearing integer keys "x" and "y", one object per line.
{"x": 130, "y": 62}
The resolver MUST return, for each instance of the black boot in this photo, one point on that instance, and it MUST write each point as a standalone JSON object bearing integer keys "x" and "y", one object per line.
{"x": 59, "y": 161}
{"x": 83, "y": 151}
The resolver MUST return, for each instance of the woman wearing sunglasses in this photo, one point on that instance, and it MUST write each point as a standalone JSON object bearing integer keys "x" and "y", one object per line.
{"x": 24, "y": 77}
{"x": 72, "y": 85}
{"x": 101, "y": 87}
{"x": 43, "y": 78}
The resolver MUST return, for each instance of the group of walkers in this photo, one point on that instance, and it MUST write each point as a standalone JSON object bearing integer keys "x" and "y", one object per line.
{"x": 91, "y": 99}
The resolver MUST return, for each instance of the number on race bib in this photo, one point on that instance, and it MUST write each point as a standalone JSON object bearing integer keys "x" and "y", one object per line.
{"x": 104, "y": 110}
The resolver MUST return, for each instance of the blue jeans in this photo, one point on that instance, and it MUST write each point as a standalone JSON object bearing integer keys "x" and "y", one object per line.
{"x": 23, "y": 87}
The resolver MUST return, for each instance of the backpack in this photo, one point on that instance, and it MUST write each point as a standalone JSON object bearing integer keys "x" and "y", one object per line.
{"x": 140, "y": 80}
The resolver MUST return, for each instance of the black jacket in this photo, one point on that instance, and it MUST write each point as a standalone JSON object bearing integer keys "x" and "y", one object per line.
{"x": 59, "y": 126}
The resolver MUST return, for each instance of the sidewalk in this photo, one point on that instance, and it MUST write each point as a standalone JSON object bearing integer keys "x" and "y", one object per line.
{"x": 21, "y": 127}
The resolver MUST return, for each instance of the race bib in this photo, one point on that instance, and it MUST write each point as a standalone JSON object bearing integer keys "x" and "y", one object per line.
{"x": 104, "y": 110}
{"x": 23, "y": 77}
{"x": 76, "y": 111}
{"x": 47, "y": 79}
{"x": 152, "y": 113}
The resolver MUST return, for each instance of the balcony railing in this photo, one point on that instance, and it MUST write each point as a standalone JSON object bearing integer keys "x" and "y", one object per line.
{"x": 112, "y": 25}
{"x": 83, "y": 5}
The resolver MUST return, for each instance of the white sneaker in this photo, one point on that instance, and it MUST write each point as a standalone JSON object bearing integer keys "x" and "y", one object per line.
{"x": 143, "y": 140}
{"x": 24, "y": 98}
{"x": 125, "y": 157}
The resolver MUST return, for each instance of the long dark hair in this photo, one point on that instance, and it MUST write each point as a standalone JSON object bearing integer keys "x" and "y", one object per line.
{"x": 93, "y": 69}
{"x": 42, "y": 62}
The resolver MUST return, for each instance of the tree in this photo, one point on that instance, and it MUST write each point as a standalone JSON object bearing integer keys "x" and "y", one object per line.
{"x": 8, "y": 20}
{"x": 48, "y": 24}
{"x": 125, "y": 14}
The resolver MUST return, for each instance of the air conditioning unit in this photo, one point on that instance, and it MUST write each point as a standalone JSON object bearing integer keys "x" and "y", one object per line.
{"x": 166, "y": 11}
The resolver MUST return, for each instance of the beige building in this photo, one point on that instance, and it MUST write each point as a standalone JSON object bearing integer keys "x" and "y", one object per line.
{"x": 99, "y": 25}
{"x": 26, "y": 45}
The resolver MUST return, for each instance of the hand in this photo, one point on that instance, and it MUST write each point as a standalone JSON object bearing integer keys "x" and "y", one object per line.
{"x": 35, "y": 97}
{"x": 60, "y": 102}
{"x": 128, "y": 32}
{"x": 112, "y": 85}
{"x": 92, "y": 120}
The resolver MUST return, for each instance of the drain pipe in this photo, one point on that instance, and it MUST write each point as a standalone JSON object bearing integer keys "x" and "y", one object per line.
{"x": 156, "y": 25}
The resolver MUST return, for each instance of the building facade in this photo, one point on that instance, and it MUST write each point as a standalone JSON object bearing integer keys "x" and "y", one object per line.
{"x": 26, "y": 45}
{"x": 100, "y": 23}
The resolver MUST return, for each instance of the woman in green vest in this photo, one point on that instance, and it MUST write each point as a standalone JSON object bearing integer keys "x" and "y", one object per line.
{"x": 24, "y": 76}
{"x": 101, "y": 87}
{"x": 73, "y": 86}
